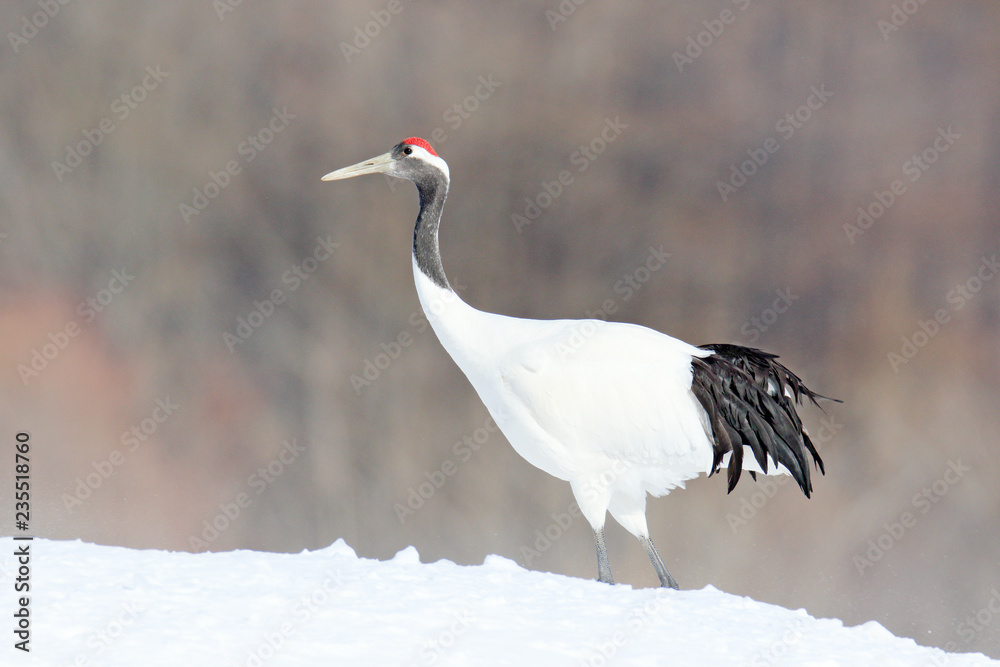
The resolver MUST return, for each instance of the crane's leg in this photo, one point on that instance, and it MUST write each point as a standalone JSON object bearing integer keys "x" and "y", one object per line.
{"x": 666, "y": 580}
{"x": 603, "y": 566}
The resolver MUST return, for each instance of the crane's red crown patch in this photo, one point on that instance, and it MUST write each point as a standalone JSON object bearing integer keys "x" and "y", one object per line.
{"x": 417, "y": 141}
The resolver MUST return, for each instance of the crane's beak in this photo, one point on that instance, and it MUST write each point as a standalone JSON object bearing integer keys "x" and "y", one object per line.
{"x": 376, "y": 165}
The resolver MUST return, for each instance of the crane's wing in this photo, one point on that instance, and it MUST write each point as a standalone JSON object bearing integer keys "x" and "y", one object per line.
{"x": 607, "y": 391}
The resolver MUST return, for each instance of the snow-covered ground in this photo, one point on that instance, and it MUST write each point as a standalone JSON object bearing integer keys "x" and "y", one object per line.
{"x": 100, "y": 605}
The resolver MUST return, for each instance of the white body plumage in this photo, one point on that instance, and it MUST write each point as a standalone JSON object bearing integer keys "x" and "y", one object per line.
{"x": 605, "y": 406}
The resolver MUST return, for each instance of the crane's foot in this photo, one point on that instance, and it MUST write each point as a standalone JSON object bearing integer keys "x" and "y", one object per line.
{"x": 603, "y": 566}
{"x": 666, "y": 580}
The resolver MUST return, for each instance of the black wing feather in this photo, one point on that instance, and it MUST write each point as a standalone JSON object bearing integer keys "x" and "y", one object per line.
{"x": 743, "y": 392}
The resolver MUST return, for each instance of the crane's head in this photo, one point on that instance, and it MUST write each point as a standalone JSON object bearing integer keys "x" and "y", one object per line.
{"x": 412, "y": 159}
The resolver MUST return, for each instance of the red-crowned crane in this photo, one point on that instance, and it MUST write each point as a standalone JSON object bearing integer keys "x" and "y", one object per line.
{"x": 617, "y": 410}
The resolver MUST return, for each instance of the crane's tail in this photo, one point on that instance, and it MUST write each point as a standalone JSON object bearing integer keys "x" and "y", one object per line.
{"x": 750, "y": 400}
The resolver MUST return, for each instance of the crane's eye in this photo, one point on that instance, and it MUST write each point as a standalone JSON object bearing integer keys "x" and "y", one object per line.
{"x": 408, "y": 150}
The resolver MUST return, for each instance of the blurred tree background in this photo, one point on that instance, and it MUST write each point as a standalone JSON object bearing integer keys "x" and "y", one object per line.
{"x": 180, "y": 340}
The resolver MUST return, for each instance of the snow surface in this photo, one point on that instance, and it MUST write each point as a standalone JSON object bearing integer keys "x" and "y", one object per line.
{"x": 101, "y": 605}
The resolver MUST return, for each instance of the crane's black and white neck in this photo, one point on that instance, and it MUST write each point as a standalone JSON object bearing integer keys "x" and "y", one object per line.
{"x": 617, "y": 410}
{"x": 433, "y": 190}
